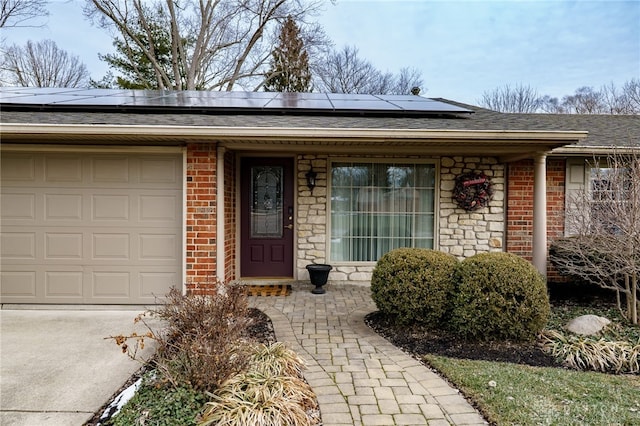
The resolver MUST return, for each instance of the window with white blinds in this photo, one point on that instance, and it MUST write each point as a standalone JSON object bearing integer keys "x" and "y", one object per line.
{"x": 377, "y": 207}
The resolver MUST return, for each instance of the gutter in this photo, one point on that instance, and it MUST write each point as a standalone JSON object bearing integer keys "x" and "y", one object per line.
{"x": 582, "y": 151}
{"x": 182, "y": 133}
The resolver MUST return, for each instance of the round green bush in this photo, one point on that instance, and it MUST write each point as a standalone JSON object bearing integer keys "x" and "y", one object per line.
{"x": 498, "y": 296}
{"x": 413, "y": 285}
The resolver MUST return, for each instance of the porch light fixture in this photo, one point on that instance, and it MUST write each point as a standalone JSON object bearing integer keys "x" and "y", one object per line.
{"x": 311, "y": 179}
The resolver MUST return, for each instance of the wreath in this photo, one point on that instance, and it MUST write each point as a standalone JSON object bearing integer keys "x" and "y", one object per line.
{"x": 472, "y": 191}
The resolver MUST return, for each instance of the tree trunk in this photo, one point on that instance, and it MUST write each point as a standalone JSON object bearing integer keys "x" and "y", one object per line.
{"x": 634, "y": 298}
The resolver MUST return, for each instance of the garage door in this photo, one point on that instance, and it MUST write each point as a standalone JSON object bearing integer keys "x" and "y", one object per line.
{"x": 90, "y": 228}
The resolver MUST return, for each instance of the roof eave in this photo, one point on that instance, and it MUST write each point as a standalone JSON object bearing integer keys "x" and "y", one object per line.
{"x": 581, "y": 151}
{"x": 428, "y": 141}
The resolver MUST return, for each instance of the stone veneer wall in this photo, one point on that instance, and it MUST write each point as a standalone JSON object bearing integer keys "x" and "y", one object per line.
{"x": 460, "y": 232}
{"x": 311, "y": 218}
{"x": 464, "y": 233}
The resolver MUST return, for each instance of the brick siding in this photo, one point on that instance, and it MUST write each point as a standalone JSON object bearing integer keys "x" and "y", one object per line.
{"x": 201, "y": 218}
{"x": 520, "y": 207}
{"x": 230, "y": 224}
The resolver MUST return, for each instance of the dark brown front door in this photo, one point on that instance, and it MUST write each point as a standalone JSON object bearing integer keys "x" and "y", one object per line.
{"x": 266, "y": 217}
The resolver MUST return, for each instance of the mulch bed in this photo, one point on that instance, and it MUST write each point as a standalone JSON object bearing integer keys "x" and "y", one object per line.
{"x": 420, "y": 342}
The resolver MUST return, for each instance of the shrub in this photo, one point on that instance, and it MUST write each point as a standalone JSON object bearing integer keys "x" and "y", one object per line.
{"x": 413, "y": 285}
{"x": 498, "y": 296}
{"x": 202, "y": 342}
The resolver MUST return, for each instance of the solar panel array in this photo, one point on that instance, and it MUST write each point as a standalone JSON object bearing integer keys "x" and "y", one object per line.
{"x": 230, "y": 102}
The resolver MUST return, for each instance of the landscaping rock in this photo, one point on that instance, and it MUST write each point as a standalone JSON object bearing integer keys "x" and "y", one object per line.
{"x": 587, "y": 325}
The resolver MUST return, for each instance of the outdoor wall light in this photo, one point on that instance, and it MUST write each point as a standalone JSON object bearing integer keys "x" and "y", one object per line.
{"x": 311, "y": 179}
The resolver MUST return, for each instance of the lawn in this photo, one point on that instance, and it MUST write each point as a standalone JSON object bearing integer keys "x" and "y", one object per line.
{"x": 518, "y": 394}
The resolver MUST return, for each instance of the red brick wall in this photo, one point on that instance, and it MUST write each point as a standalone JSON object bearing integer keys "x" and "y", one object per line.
{"x": 230, "y": 225}
{"x": 520, "y": 207}
{"x": 201, "y": 218}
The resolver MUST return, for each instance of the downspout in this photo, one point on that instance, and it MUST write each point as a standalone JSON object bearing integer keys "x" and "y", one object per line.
{"x": 539, "y": 248}
{"x": 220, "y": 246}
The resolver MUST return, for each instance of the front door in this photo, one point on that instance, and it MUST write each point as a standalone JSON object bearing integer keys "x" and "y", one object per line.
{"x": 266, "y": 217}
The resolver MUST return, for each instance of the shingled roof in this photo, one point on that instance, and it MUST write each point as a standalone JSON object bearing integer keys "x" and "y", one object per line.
{"x": 604, "y": 130}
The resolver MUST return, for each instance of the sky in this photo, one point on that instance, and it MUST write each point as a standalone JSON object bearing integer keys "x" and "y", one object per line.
{"x": 463, "y": 48}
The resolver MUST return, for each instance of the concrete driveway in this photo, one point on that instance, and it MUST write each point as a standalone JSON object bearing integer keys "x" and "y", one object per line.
{"x": 56, "y": 367}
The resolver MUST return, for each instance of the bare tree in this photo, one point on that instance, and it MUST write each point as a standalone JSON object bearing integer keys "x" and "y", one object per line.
{"x": 625, "y": 100}
{"x": 214, "y": 44}
{"x": 551, "y": 105}
{"x": 631, "y": 91}
{"x": 344, "y": 71}
{"x": 519, "y": 98}
{"x": 42, "y": 64}
{"x": 586, "y": 100}
{"x": 21, "y": 13}
{"x": 408, "y": 81}
{"x": 605, "y": 222}
{"x": 609, "y": 99}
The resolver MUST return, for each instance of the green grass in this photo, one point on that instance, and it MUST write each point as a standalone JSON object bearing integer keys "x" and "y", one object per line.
{"x": 525, "y": 395}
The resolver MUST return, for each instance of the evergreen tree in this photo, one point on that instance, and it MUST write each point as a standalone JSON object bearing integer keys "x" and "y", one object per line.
{"x": 142, "y": 68}
{"x": 289, "y": 70}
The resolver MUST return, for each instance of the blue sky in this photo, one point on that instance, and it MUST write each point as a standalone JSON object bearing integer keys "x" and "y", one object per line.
{"x": 463, "y": 48}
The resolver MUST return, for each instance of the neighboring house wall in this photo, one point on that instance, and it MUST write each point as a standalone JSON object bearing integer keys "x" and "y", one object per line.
{"x": 520, "y": 207}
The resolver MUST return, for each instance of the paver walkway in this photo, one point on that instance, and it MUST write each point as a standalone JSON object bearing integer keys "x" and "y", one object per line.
{"x": 359, "y": 377}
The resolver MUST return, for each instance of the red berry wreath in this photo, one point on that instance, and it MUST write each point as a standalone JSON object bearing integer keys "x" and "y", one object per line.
{"x": 472, "y": 191}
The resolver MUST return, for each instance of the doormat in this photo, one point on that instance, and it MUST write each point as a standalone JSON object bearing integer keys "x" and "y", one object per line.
{"x": 269, "y": 290}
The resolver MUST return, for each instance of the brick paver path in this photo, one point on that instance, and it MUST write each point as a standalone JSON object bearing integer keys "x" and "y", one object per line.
{"x": 359, "y": 377}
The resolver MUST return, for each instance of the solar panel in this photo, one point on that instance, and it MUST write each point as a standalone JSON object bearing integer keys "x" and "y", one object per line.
{"x": 224, "y": 102}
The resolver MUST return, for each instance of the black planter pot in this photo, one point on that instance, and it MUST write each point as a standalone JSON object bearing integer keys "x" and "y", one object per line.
{"x": 318, "y": 274}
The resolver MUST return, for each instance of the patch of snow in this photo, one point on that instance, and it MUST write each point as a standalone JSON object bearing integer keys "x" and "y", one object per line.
{"x": 119, "y": 401}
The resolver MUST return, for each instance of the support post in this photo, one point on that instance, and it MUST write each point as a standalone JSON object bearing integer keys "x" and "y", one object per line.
{"x": 539, "y": 246}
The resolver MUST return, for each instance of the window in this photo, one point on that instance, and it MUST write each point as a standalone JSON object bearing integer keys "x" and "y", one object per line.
{"x": 377, "y": 207}
{"x": 600, "y": 195}
{"x": 610, "y": 191}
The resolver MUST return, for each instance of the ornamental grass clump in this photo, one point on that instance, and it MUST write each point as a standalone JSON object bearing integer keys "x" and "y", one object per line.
{"x": 271, "y": 392}
{"x": 498, "y": 296}
{"x": 413, "y": 285}
{"x": 589, "y": 353}
{"x": 276, "y": 360}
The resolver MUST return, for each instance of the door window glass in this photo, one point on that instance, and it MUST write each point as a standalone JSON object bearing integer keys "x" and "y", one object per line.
{"x": 266, "y": 202}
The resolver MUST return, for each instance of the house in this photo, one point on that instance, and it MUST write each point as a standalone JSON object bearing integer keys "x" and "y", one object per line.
{"x": 114, "y": 196}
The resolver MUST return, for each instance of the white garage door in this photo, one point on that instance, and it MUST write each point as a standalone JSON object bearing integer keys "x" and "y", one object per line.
{"x": 90, "y": 228}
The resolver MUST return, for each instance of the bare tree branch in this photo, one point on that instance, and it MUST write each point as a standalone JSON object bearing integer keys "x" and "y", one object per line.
{"x": 43, "y": 64}
{"x": 519, "y": 98}
{"x": 214, "y": 44}
{"x": 344, "y": 71}
{"x": 20, "y": 13}
{"x": 605, "y": 222}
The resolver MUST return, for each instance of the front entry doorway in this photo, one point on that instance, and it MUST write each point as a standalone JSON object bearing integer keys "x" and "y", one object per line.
{"x": 266, "y": 217}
